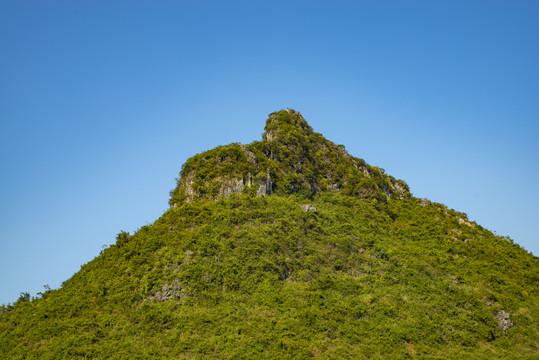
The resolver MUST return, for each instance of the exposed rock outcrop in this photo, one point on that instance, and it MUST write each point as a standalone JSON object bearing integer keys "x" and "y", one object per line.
{"x": 169, "y": 292}
{"x": 308, "y": 208}
{"x": 504, "y": 321}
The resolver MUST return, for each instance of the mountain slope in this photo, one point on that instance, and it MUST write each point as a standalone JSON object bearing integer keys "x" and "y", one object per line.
{"x": 366, "y": 271}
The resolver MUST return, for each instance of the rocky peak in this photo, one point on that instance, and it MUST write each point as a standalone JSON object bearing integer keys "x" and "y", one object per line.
{"x": 291, "y": 158}
{"x": 284, "y": 122}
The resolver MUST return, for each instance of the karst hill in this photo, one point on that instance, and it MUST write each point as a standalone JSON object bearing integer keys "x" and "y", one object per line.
{"x": 290, "y": 159}
{"x": 290, "y": 248}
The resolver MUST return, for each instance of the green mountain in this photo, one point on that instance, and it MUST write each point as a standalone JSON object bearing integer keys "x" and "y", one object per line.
{"x": 290, "y": 248}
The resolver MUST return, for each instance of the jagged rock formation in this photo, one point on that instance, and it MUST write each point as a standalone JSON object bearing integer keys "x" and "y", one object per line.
{"x": 504, "y": 321}
{"x": 291, "y": 158}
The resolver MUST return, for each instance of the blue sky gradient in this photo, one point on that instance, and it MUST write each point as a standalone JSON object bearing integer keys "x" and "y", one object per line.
{"x": 102, "y": 101}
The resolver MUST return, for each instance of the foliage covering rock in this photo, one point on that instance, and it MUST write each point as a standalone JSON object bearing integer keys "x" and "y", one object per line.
{"x": 291, "y": 158}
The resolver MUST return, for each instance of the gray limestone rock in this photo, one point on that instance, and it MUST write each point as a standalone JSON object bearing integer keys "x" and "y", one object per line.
{"x": 169, "y": 292}
{"x": 504, "y": 321}
{"x": 308, "y": 207}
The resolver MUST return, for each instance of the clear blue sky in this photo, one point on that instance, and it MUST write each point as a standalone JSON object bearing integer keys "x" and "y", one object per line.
{"x": 102, "y": 101}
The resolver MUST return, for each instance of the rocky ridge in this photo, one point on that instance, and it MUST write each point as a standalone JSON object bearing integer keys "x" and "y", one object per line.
{"x": 291, "y": 158}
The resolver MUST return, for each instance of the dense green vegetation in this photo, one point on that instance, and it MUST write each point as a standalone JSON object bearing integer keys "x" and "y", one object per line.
{"x": 247, "y": 277}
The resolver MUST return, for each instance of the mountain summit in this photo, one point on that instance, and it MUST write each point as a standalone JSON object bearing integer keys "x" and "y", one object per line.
{"x": 291, "y": 158}
{"x": 289, "y": 248}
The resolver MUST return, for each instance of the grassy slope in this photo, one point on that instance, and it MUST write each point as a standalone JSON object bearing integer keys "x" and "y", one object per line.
{"x": 261, "y": 278}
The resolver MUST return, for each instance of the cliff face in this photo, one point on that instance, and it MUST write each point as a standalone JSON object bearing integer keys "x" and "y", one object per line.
{"x": 291, "y": 158}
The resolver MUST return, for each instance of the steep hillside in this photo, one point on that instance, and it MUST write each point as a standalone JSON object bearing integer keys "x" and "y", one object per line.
{"x": 290, "y": 248}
